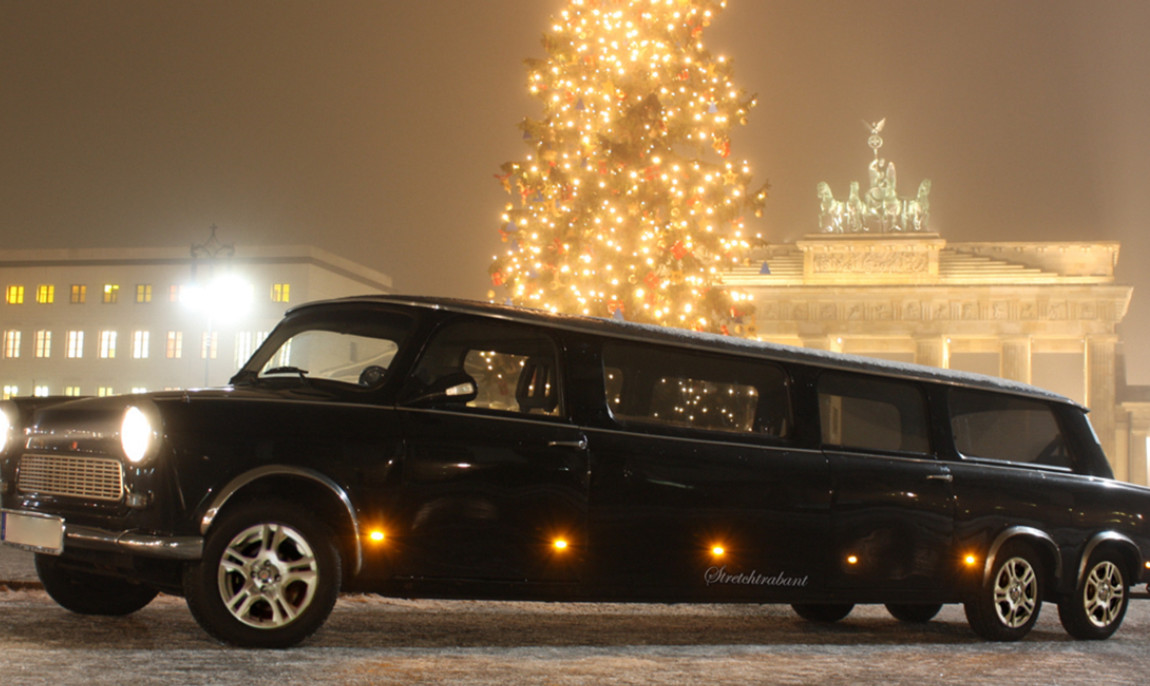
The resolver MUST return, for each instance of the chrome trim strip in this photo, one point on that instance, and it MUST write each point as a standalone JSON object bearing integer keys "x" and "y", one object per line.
{"x": 249, "y": 477}
{"x": 166, "y": 547}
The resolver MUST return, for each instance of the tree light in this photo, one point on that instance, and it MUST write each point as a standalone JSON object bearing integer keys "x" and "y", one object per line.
{"x": 628, "y": 159}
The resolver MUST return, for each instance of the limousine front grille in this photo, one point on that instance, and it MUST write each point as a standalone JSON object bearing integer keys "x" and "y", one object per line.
{"x": 79, "y": 477}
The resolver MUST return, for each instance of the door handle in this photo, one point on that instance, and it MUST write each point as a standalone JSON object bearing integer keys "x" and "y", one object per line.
{"x": 940, "y": 477}
{"x": 580, "y": 444}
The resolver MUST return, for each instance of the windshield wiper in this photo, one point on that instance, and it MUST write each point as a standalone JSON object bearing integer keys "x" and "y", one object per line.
{"x": 302, "y": 373}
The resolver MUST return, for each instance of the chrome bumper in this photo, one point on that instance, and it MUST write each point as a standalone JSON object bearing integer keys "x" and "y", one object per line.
{"x": 167, "y": 547}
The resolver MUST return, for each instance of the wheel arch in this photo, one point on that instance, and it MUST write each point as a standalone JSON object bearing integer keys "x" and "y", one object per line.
{"x": 300, "y": 485}
{"x": 1042, "y": 543}
{"x": 1111, "y": 540}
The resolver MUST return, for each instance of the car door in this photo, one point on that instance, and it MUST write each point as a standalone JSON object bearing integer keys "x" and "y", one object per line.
{"x": 893, "y": 503}
{"x": 494, "y": 481}
{"x": 699, "y": 489}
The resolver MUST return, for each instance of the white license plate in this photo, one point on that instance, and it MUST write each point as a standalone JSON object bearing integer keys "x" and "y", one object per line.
{"x": 40, "y": 533}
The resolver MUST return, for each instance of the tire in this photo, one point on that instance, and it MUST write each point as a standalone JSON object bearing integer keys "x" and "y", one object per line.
{"x": 87, "y": 593}
{"x": 269, "y": 577}
{"x": 1006, "y": 607}
{"x": 1096, "y": 608}
{"x": 913, "y": 614}
{"x": 822, "y": 612}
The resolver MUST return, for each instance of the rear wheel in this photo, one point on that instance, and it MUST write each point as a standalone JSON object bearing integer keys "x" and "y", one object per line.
{"x": 269, "y": 577}
{"x": 1096, "y": 608}
{"x": 913, "y": 614}
{"x": 822, "y": 612}
{"x": 1006, "y": 607}
{"x": 88, "y": 593}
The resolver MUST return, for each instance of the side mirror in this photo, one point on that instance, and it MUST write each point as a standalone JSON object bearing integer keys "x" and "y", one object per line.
{"x": 456, "y": 389}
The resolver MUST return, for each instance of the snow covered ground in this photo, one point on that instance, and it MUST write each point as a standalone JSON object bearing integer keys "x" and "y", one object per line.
{"x": 371, "y": 640}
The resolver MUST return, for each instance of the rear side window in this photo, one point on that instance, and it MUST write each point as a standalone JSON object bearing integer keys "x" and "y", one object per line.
{"x": 1004, "y": 427}
{"x": 872, "y": 414}
{"x": 675, "y": 388}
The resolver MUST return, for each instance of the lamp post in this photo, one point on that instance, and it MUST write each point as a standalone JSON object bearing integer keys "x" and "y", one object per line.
{"x": 222, "y": 298}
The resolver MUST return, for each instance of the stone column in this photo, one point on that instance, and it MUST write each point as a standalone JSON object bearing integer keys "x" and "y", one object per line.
{"x": 1139, "y": 473}
{"x": 933, "y": 351}
{"x": 1138, "y": 422}
{"x": 1101, "y": 394}
{"x": 1014, "y": 363}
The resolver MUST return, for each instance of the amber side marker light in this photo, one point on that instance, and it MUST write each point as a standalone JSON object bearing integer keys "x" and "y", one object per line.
{"x": 718, "y": 551}
{"x": 970, "y": 560}
{"x": 852, "y": 559}
{"x": 376, "y": 536}
{"x": 559, "y": 544}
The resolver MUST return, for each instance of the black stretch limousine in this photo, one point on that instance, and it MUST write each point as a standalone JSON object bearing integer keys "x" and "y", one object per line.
{"x": 425, "y": 447}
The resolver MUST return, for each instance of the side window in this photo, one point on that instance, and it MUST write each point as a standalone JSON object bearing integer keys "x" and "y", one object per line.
{"x": 654, "y": 385}
{"x": 872, "y": 414}
{"x": 1005, "y": 427}
{"x": 515, "y": 367}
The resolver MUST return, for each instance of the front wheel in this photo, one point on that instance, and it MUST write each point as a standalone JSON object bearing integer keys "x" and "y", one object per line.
{"x": 269, "y": 577}
{"x": 1006, "y": 607}
{"x": 88, "y": 593}
{"x": 822, "y": 612}
{"x": 1096, "y": 608}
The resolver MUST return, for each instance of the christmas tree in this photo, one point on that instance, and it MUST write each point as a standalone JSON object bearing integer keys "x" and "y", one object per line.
{"x": 628, "y": 204}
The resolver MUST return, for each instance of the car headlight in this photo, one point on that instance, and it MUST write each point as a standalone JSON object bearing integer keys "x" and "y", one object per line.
{"x": 138, "y": 435}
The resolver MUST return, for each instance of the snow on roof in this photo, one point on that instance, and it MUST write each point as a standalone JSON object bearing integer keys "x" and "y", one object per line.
{"x": 709, "y": 342}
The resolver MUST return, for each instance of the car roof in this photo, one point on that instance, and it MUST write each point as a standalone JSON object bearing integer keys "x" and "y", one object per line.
{"x": 620, "y": 329}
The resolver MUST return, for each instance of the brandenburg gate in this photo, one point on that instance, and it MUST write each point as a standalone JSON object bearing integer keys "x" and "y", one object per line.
{"x": 875, "y": 281}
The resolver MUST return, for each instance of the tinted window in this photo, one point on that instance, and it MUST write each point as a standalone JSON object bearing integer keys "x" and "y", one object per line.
{"x": 654, "y": 385}
{"x": 872, "y": 414}
{"x": 1004, "y": 427}
{"x": 515, "y": 367}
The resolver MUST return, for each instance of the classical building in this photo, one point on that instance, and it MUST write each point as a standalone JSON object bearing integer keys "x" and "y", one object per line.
{"x": 876, "y": 282}
{"x": 104, "y": 321}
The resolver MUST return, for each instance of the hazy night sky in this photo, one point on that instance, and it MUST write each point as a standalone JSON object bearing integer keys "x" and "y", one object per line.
{"x": 374, "y": 129}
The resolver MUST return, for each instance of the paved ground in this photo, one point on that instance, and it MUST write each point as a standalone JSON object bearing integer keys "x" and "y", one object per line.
{"x": 16, "y": 566}
{"x": 371, "y": 640}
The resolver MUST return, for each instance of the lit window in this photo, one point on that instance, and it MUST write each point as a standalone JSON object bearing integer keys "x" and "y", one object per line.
{"x": 140, "y": 340}
{"x": 11, "y": 392}
{"x": 107, "y": 345}
{"x": 104, "y": 391}
{"x": 175, "y": 293}
{"x": 175, "y": 346}
{"x": 41, "y": 392}
{"x": 111, "y": 293}
{"x": 14, "y": 295}
{"x": 79, "y": 294}
{"x": 45, "y": 294}
{"x": 11, "y": 343}
{"x": 75, "y": 345}
{"x": 139, "y": 389}
{"x": 244, "y": 348}
{"x": 72, "y": 391}
{"x": 44, "y": 343}
{"x": 209, "y": 346}
{"x": 281, "y": 292}
{"x": 143, "y": 292}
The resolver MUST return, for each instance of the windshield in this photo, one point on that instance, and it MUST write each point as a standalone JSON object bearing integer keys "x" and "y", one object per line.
{"x": 350, "y": 347}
